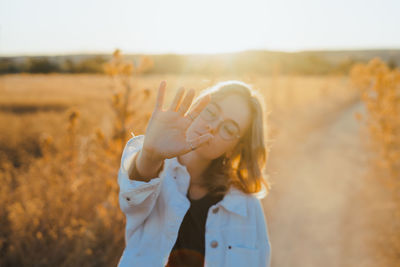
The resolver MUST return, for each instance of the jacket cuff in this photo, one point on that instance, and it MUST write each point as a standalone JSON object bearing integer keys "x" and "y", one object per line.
{"x": 135, "y": 191}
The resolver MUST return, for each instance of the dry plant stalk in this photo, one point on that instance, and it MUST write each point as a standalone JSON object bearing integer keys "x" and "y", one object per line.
{"x": 121, "y": 71}
{"x": 73, "y": 116}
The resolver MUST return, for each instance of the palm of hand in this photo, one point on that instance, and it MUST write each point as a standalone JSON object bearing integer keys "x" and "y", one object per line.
{"x": 166, "y": 131}
{"x": 172, "y": 126}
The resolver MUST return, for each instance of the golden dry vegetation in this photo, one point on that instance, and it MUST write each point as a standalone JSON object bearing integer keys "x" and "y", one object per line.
{"x": 61, "y": 139}
{"x": 380, "y": 92}
{"x": 380, "y": 87}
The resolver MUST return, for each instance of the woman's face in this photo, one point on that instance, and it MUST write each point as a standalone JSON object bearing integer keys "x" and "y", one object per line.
{"x": 227, "y": 119}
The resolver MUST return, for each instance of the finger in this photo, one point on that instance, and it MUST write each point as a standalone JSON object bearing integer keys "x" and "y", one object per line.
{"x": 160, "y": 95}
{"x": 186, "y": 102}
{"x": 177, "y": 99}
{"x": 198, "y": 142}
{"x": 196, "y": 110}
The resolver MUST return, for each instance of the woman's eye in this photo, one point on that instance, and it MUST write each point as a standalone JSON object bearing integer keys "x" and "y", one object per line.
{"x": 211, "y": 113}
{"x": 228, "y": 130}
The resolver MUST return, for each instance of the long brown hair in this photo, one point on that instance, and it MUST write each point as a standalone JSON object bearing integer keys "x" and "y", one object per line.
{"x": 244, "y": 168}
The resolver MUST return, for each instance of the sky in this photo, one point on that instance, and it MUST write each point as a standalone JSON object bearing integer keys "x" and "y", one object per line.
{"x": 53, "y": 27}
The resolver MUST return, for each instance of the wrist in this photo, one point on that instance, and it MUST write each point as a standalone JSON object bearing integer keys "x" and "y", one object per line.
{"x": 149, "y": 156}
{"x": 145, "y": 164}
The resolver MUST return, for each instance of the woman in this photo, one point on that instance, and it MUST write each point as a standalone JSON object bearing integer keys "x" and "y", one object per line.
{"x": 190, "y": 187}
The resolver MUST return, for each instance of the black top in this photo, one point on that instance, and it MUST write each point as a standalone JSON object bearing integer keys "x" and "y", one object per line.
{"x": 189, "y": 248}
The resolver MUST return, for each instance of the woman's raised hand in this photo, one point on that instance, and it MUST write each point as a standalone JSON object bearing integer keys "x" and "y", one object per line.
{"x": 166, "y": 132}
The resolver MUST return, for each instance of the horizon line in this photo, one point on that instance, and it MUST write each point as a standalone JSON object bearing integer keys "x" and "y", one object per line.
{"x": 83, "y": 52}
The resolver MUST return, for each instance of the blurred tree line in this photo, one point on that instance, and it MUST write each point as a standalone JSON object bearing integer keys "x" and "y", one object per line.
{"x": 256, "y": 62}
{"x": 49, "y": 65}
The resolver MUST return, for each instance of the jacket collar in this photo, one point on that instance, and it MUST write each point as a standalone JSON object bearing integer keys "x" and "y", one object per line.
{"x": 234, "y": 200}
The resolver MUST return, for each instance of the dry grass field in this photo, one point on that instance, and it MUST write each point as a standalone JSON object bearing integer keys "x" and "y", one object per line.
{"x": 59, "y": 164}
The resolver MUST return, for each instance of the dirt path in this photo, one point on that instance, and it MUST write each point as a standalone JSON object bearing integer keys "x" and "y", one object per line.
{"x": 318, "y": 166}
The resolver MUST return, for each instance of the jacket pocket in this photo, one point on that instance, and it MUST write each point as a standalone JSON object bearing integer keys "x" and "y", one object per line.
{"x": 241, "y": 236}
{"x": 242, "y": 256}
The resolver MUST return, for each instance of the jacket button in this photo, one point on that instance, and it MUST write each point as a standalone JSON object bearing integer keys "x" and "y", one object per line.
{"x": 214, "y": 244}
{"x": 215, "y": 210}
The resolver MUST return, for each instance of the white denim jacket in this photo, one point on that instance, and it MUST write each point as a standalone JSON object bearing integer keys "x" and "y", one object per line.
{"x": 236, "y": 232}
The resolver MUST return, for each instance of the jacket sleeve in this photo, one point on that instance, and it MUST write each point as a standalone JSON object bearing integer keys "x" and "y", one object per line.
{"x": 263, "y": 237}
{"x": 136, "y": 198}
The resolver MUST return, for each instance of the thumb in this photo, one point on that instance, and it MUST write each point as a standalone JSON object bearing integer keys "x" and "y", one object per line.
{"x": 198, "y": 141}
